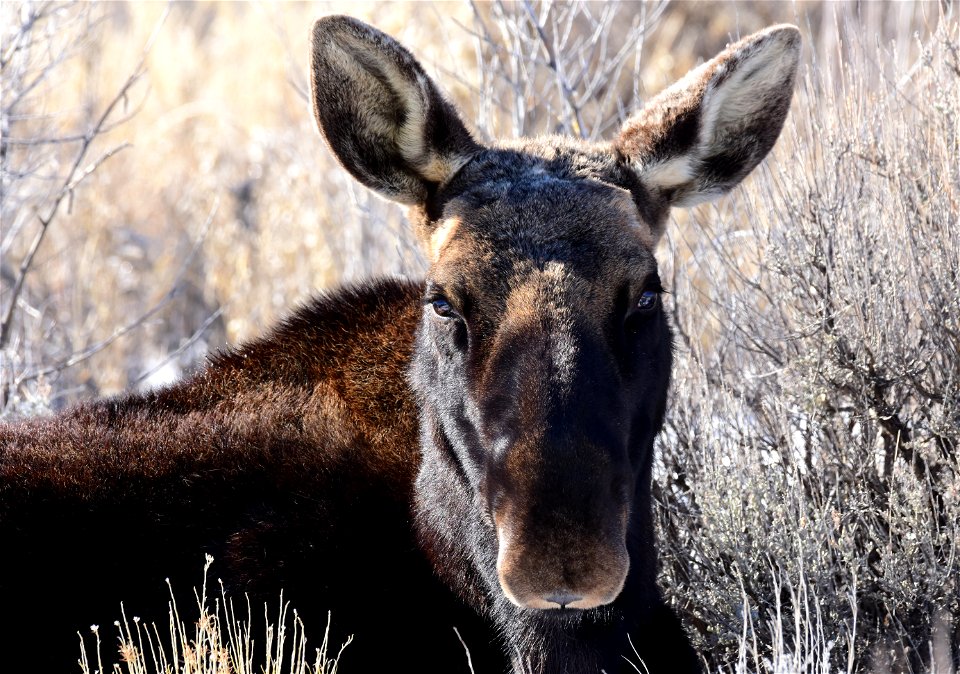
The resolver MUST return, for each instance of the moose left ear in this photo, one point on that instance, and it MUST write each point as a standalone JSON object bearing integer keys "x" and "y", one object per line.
{"x": 699, "y": 138}
{"x": 384, "y": 118}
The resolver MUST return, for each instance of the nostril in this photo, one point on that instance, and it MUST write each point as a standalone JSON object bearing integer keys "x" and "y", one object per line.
{"x": 563, "y": 598}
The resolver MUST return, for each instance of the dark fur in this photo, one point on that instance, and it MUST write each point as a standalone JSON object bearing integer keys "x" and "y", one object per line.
{"x": 290, "y": 460}
{"x": 473, "y": 452}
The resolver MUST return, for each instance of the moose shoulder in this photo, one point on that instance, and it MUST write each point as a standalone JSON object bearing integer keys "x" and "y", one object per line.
{"x": 470, "y": 452}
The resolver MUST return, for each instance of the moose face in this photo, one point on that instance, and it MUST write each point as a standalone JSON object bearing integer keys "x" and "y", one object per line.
{"x": 543, "y": 354}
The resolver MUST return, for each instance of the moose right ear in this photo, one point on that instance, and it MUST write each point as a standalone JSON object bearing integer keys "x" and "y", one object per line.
{"x": 383, "y": 117}
{"x": 700, "y": 137}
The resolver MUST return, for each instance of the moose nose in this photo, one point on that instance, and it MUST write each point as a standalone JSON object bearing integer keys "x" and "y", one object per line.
{"x": 564, "y": 599}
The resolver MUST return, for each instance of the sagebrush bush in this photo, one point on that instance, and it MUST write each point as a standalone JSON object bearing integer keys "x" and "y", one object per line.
{"x": 809, "y": 485}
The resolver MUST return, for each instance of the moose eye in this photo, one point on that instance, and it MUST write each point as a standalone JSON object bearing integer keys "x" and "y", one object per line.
{"x": 442, "y": 308}
{"x": 648, "y": 301}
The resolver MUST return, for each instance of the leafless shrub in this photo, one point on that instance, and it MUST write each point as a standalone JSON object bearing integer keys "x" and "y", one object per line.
{"x": 810, "y": 476}
{"x": 566, "y": 68}
{"x": 42, "y": 165}
{"x": 217, "y": 221}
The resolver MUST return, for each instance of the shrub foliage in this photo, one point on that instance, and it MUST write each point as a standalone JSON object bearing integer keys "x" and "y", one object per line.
{"x": 809, "y": 486}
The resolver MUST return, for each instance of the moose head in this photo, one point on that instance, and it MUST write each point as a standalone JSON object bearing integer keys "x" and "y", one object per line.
{"x": 543, "y": 354}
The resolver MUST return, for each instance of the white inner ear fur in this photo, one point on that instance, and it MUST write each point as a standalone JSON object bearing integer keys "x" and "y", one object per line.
{"x": 409, "y": 136}
{"x": 367, "y": 86}
{"x": 762, "y": 65}
{"x": 431, "y": 165}
{"x": 670, "y": 172}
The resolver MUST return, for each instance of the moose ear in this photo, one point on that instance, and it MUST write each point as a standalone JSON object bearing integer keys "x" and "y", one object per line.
{"x": 700, "y": 137}
{"x": 384, "y": 119}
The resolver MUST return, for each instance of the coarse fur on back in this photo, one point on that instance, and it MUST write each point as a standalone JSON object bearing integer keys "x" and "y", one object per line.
{"x": 471, "y": 452}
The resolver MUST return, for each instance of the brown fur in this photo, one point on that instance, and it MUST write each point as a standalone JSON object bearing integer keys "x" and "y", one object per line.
{"x": 277, "y": 458}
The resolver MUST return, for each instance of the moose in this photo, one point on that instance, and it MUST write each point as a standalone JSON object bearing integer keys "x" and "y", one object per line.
{"x": 460, "y": 465}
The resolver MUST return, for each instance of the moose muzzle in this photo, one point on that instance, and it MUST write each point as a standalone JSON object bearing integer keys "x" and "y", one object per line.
{"x": 566, "y": 568}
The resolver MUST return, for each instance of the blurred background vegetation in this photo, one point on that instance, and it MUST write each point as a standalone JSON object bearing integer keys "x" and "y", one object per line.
{"x": 165, "y": 193}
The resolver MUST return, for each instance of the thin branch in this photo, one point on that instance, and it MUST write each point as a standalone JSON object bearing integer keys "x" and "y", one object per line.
{"x": 183, "y": 347}
{"x": 466, "y": 649}
{"x": 73, "y": 179}
{"x": 99, "y": 346}
{"x": 76, "y": 138}
{"x": 93, "y": 166}
{"x": 556, "y": 65}
{"x": 25, "y": 265}
{"x": 170, "y": 294}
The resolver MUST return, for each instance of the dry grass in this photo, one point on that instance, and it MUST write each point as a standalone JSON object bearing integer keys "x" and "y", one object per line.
{"x": 808, "y": 492}
{"x": 216, "y": 642}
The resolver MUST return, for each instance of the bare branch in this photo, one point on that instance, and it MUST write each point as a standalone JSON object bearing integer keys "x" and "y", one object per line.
{"x": 72, "y": 179}
{"x": 197, "y": 334}
{"x": 94, "y": 349}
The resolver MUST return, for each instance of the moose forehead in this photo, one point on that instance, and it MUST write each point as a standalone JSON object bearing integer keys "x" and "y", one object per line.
{"x": 511, "y": 215}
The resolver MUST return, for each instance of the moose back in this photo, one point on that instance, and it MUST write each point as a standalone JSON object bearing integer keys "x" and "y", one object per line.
{"x": 472, "y": 451}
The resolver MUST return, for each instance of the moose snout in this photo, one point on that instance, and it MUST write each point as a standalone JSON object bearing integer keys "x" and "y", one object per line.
{"x": 561, "y": 515}
{"x": 580, "y": 574}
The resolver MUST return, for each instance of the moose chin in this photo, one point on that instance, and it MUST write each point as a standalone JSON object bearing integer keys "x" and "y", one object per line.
{"x": 465, "y": 457}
